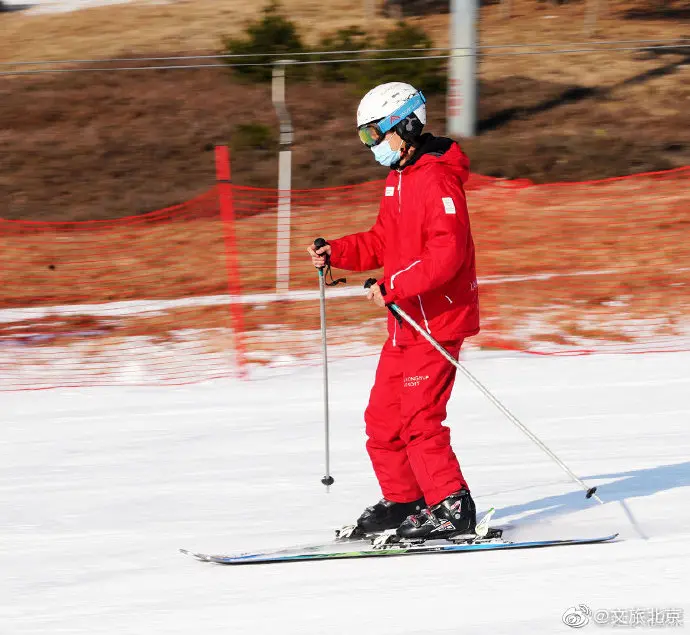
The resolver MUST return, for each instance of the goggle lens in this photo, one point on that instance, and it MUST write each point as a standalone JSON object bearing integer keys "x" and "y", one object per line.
{"x": 370, "y": 135}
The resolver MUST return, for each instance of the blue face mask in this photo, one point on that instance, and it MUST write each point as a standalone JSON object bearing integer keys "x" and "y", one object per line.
{"x": 384, "y": 154}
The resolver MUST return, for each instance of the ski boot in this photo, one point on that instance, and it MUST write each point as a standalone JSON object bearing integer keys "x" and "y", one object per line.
{"x": 454, "y": 516}
{"x": 385, "y": 515}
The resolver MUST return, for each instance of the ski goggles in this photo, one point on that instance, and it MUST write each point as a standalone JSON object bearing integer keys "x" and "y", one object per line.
{"x": 371, "y": 134}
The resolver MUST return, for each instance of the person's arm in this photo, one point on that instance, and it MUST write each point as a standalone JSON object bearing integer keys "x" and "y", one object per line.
{"x": 361, "y": 251}
{"x": 446, "y": 230}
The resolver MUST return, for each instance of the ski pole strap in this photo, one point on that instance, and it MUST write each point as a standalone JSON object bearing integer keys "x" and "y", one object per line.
{"x": 327, "y": 271}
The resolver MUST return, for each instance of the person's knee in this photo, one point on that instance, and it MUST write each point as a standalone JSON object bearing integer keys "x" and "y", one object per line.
{"x": 422, "y": 431}
{"x": 381, "y": 429}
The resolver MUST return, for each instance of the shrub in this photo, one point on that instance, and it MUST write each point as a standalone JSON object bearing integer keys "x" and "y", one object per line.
{"x": 273, "y": 33}
{"x": 349, "y": 39}
{"x": 425, "y": 74}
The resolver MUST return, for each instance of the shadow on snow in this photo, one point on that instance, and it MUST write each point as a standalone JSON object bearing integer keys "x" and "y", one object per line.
{"x": 633, "y": 484}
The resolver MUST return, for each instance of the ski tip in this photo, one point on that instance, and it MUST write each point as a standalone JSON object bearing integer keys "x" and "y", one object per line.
{"x": 198, "y": 556}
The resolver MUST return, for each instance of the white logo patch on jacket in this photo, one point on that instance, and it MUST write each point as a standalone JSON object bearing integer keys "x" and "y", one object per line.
{"x": 448, "y": 205}
{"x": 390, "y": 190}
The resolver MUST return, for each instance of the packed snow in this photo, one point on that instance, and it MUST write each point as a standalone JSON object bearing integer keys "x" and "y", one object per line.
{"x": 101, "y": 486}
{"x": 60, "y": 6}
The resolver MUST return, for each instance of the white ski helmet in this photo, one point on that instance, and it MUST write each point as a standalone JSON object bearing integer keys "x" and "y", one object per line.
{"x": 393, "y": 106}
{"x": 384, "y": 100}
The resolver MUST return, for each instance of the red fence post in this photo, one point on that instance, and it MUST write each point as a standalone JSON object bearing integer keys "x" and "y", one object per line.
{"x": 227, "y": 212}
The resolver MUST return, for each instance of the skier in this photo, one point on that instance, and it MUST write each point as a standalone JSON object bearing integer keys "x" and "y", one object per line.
{"x": 422, "y": 240}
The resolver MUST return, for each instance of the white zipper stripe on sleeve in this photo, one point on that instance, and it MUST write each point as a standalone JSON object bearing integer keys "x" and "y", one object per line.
{"x": 416, "y": 262}
{"x": 426, "y": 323}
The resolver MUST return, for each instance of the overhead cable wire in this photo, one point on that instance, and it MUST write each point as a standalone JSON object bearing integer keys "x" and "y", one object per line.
{"x": 336, "y": 61}
{"x": 682, "y": 40}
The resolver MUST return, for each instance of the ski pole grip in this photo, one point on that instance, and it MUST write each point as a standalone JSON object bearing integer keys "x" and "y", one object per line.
{"x": 318, "y": 244}
{"x": 370, "y": 283}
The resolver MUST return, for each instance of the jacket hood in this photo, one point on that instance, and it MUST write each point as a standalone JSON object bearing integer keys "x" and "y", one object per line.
{"x": 431, "y": 149}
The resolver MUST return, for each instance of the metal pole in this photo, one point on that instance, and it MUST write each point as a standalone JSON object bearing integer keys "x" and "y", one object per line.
{"x": 590, "y": 490}
{"x": 284, "y": 179}
{"x": 327, "y": 480}
{"x": 395, "y": 308}
{"x": 462, "y": 69}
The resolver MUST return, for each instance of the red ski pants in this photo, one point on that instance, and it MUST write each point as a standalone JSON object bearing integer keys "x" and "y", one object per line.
{"x": 407, "y": 442}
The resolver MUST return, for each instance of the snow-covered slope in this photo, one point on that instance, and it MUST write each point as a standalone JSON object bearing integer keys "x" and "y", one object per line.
{"x": 54, "y": 6}
{"x": 100, "y": 487}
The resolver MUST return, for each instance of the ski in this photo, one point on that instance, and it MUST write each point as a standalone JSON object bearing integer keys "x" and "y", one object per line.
{"x": 351, "y": 535}
{"x": 326, "y": 552}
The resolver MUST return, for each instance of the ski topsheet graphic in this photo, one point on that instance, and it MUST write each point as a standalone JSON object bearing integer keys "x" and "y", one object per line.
{"x": 364, "y": 549}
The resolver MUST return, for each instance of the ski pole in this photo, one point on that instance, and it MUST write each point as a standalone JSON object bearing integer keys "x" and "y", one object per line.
{"x": 327, "y": 480}
{"x": 591, "y": 491}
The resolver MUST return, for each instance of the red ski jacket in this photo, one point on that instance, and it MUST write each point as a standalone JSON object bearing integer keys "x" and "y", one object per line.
{"x": 422, "y": 239}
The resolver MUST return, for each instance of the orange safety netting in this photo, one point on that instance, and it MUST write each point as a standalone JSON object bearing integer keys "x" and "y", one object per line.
{"x": 198, "y": 291}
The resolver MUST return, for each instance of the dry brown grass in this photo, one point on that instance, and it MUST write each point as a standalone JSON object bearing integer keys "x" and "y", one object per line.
{"x": 123, "y": 262}
{"x": 190, "y": 25}
{"x": 199, "y": 25}
{"x": 82, "y": 147}
{"x": 109, "y": 145}
{"x": 630, "y": 233}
